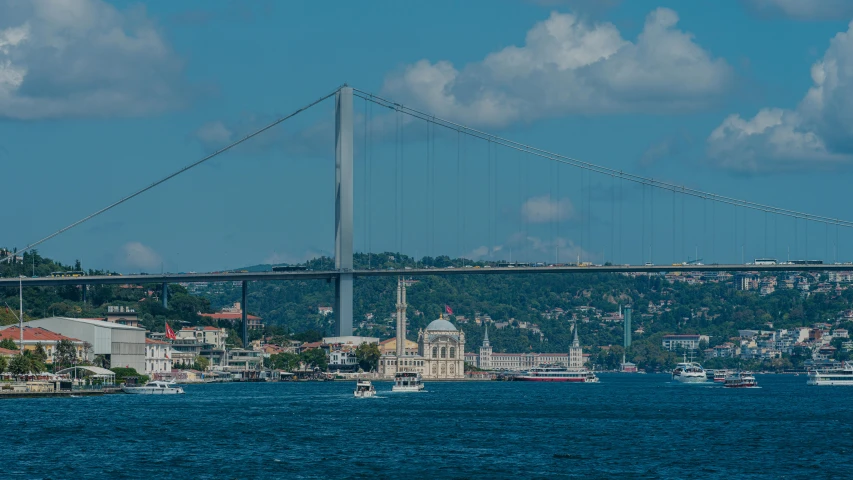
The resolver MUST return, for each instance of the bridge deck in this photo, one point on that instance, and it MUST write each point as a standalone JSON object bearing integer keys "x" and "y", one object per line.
{"x": 331, "y": 274}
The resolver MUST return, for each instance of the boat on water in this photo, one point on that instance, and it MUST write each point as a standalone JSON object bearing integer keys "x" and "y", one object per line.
{"x": 154, "y": 388}
{"x": 407, "y": 382}
{"x": 364, "y": 389}
{"x": 689, "y": 372}
{"x": 740, "y": 380}
{"x": 720, "y": 375}
{"x": 832, "y": 376}
{"x": 557, "y": 373}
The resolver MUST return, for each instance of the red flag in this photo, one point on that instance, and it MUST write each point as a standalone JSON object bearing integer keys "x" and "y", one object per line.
{"x": 448, "y": 309}
{"x": 170, "y": 334}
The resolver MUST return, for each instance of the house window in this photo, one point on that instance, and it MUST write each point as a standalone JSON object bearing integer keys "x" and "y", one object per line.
{"x": 434, "y": 352}
{"x": 452, "y": 352}
{"x": 443, "y": 352}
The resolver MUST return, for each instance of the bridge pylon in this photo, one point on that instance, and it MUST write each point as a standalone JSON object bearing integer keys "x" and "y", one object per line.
{"x": 343, "y": 211}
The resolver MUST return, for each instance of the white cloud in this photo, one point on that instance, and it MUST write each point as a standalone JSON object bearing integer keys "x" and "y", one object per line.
{"x": 566, "y": 66}
{"x": 214, "y": 134}
{"x": 135, "y": 255}
{"x": 520, "y": 247}
{"x": 803, "y": 9}
{"x": 817, "y": 134}
{"x": 543, "y": 209}
{"x": 77, "y": 58}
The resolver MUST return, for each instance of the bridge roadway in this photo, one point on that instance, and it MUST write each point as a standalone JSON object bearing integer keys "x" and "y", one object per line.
{"x": 332, "y": 274}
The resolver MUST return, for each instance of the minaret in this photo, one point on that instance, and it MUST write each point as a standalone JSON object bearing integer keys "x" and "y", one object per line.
{"x": 401, "y": 318}
{"x": 486, "y": 352}
{"x": 575, "y": 352}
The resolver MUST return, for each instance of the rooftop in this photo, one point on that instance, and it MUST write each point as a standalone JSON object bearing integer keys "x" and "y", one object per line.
{"x": 228, "y": 316}
{"x": 32, "y": 334}
{"x": 95, "y": 322}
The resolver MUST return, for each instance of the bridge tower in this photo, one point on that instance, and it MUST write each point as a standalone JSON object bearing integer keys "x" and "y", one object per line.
{"x": 343, "y": 211}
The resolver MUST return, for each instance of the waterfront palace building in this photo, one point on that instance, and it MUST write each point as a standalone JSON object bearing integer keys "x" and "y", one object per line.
{"x": 487, "y": 360}
{"x": 441, "y": 348}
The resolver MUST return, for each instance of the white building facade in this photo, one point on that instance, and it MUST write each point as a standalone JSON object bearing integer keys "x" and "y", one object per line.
{"x": 158, "y": 357}
{"x": 487, "y": 360}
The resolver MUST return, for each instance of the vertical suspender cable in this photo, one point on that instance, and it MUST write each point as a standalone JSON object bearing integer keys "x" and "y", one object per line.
{"x": 673, "y": 228}
{"x": 683, "y": 244}
{"x": 458, "y": 194}
{"x": 652, "y": 224}
{"x": 396, "y": 180}
{"x": 643, "y": 252}
{"x": 402, "y": 185}
{"x": 364, "y": 184}
{"x": 559, "y": 217}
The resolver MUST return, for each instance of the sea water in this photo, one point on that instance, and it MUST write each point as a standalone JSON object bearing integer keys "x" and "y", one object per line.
{"x": 627, "y": 426}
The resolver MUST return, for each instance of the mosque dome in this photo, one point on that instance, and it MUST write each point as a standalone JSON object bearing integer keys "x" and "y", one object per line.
{"x": 441, "y": 325}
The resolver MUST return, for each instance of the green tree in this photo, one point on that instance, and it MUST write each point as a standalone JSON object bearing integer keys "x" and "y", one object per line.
{"x": 66, "y": 353}
{"x": 20, "y": 365}
{"x": 285, "y": 361}
{"x": 202, "y": 363}
{"x": 368, "y": 355}
{"x": 315, "y": 357}
{"x": 8, "y": 344}
{"x": 124, "y": 372}
{"x": 35, "y": 363}
{"x": 4, "y": 364}
{"x": 40, "y": 354}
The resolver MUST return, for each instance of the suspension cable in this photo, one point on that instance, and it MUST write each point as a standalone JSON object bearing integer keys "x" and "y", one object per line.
{"x": 598, "y": 168}
{"x": 175, "y": 174}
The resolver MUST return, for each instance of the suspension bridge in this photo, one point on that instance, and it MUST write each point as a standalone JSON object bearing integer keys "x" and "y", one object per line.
{"x": 687, "y": 218}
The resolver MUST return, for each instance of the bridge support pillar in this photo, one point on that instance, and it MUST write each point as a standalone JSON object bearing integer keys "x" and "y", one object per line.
{"x": 165, "y": 295}
{"x": 343, "y": 211}
{"x": 83, "y": 287}
{"x": 243, "y": 307}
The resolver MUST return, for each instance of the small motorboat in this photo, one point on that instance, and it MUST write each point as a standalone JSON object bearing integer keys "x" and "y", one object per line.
{"x": 154, "y": 388}
{"x": 364, "y": 389}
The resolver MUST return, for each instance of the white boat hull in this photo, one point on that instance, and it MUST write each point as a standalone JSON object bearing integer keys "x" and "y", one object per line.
{"x": 153, "y": 391}
{"x": 417, "y": 388}
{"x": 690, "y": 378}
{"x": 364, "y": 394}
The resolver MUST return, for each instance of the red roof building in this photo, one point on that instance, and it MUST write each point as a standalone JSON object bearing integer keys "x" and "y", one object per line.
{"x": 33, "y": 336}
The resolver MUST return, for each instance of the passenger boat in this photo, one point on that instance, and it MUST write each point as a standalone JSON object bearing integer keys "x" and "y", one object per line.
{"x": 689, "y": 372}
{"x": 557, "y": 373}
{"x": 154, "y": 388}
{"x": 364, "y": 389}
{"x": 407, "y": 382}
{"x": 832, "y": 376}
{"x": 720, "y": 375}
{"x": 740, "y": 380}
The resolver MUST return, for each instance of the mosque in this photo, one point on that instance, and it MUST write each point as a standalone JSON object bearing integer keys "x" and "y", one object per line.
{"x": 441, "y": 348}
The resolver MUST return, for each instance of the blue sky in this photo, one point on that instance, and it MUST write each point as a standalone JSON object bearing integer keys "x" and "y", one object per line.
{"x": 746, "y": 98}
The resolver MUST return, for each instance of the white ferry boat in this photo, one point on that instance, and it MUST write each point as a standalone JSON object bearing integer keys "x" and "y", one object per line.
{"x": 740, "y": 380}
{"x": 557, "y": 373}
{"x": 720, "y": 375}
{"x": 154, "y": 388}
{"x": 689, "y": 372}
{"x": 364, "y": 389}
{"x": 407, "y": 382}
{"x": 832, "y": 376}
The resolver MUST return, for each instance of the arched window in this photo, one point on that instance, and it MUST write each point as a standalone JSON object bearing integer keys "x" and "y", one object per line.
{"x": 452, "y": 352}
{"x": 443, "y": 352}
{"x": 434, "y": 352}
